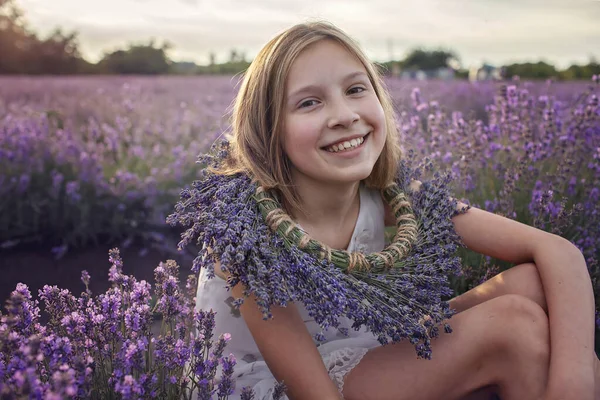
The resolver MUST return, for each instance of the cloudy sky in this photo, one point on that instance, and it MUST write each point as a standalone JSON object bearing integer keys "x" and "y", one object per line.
{"x": 497, "y": 31}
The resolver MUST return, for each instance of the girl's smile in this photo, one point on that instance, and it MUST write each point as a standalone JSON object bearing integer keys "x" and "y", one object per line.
{"x": 348, "y": 147}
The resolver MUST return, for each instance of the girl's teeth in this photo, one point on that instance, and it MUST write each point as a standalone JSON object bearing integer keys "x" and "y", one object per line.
{"x": 345, "y": 145}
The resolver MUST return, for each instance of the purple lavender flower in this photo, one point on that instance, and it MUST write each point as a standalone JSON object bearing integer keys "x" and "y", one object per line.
{"x": 23, "y": 184}
{"x": 247, "y": 393}
{"x": 72, "y": 190}
{"x": 85, "y": 278}
{"x": 227, "y": 386}
{"x": 128, "y": 388}
{"x": 104, "y": 345}
{"x": 279, "y": 390}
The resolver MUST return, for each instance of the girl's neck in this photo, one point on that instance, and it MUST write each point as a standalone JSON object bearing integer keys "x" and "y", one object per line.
{"x": 326, "y": 205}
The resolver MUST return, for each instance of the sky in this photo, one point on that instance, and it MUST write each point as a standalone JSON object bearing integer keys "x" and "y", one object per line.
{"x": 499, "y": 32}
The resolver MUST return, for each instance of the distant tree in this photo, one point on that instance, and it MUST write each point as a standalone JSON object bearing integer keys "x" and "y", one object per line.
{"x": 428, "y": 60}
{"x": 23, "y": 52}
{"x": 59, "y": 53}
{"x": 138, "y": 59}
{"x": 10, "y": 15}
{"x": 462, "y": 74}
{"x": 234, "y": 56}
{"x": 237, "y": 63}
{"x": 539, "y": 70}
{"x": 581, "y": 72}
{"x": 15, "y": 40}
{"x": 183, "y": 68}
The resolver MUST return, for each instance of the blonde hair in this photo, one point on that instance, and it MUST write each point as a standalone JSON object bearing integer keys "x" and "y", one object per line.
{"x": 256, "y": 142}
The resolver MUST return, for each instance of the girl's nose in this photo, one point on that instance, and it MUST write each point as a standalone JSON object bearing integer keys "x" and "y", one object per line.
{"x": 342, "y": 115}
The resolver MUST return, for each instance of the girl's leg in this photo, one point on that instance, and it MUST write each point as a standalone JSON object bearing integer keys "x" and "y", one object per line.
{"x": 503, "y": 342}
{"x": 522, "y": 279}
{"x": 485, "y": 393}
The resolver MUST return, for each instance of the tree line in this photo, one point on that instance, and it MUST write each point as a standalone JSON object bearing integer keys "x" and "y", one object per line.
{"x": 24, "y": 52}
{"x": 420, "y": 59}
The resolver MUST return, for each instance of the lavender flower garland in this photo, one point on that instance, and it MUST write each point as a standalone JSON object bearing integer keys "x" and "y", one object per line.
{"x": 403, "y": 303}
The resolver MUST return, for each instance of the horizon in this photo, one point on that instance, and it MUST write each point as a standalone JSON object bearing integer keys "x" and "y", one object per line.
{"x": 489, "y": 31}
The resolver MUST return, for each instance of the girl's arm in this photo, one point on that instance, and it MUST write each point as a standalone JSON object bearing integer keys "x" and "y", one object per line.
{"x": 567, "y": 288}
{"x": 288, "y": 348}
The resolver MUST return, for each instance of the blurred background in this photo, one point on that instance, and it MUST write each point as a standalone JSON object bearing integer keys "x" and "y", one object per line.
{"x": 450, "y": 39}
{"x": 104, "y": 107}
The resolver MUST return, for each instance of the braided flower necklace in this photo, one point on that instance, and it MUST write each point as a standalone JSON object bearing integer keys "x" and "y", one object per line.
{"x": 396, "y": 293}
{"x": 279, "y": 221}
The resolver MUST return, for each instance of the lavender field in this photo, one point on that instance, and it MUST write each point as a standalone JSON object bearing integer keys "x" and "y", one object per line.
{"x": 89, "y": 158}
{"x": 95, "y": 161}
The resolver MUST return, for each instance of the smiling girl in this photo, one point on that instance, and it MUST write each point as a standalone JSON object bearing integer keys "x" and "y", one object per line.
{"x": 314, "y": 123}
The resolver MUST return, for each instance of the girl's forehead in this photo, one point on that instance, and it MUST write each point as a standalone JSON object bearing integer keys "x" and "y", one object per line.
{"x": 322, "y": 61}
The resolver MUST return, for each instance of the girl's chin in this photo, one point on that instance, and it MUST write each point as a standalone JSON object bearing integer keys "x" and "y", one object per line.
{"x": 333, "y": 177}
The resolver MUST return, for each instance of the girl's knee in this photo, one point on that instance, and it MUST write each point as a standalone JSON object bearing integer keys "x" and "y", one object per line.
{"x": 521, "y": 325}
{"x": 521, "y": 348}
{"x": 528, "y": 273}
{"x": 529, "y": 276}
{"x": 517, "y": 306}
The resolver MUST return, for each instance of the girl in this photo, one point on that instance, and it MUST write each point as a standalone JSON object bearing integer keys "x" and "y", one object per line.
{"x": 313, "y": 121}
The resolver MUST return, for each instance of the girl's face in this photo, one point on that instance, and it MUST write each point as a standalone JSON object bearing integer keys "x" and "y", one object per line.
{"x": 334, "y": 124}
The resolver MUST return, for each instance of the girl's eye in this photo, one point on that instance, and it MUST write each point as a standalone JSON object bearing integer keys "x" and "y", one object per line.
{"x": 306, "y": 103}
{"x": 361, "y": 89}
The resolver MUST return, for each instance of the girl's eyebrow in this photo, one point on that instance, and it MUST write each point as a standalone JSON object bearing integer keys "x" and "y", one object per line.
{"x": 310, "y": 88}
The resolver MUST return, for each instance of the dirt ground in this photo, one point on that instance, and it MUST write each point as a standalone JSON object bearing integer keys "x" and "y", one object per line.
{"x": 37, "y": 267}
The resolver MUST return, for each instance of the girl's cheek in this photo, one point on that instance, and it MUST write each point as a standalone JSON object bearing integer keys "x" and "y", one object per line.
{"x": 307, "y": 139}
{"x": 378, "y": 109}
{"x": 299, "y": 138}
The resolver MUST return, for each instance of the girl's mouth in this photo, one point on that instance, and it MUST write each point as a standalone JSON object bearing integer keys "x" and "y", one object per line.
{"x": 347, "y": 146}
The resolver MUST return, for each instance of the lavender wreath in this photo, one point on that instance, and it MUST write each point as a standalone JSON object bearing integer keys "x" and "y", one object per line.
{"x": 403, "y": 300}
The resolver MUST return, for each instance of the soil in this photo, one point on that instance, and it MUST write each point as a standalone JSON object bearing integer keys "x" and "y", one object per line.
{"x": 38, "y": 267}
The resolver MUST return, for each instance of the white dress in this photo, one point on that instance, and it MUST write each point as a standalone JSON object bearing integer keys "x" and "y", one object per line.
{"x": 340, "y": 353}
